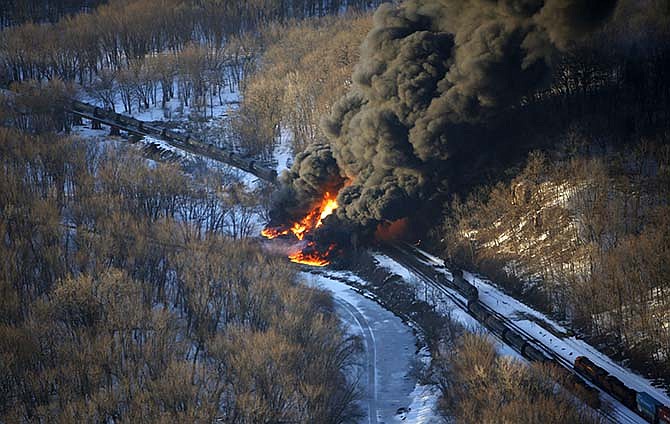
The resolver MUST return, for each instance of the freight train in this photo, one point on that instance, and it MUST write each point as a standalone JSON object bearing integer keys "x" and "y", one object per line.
{"x": 641, "y": 402}
{"x": 180, "y": 140}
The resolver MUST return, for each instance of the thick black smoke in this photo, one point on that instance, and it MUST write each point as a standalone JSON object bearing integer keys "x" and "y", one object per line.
{"x": 428, "y": 69}
{"x": 313, "y": 173}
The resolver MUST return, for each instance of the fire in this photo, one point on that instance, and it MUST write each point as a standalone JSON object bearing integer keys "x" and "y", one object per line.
{"x": 309, "y": 256}
{"x": 271, "y": 233}
{"x": 313, "y": 220}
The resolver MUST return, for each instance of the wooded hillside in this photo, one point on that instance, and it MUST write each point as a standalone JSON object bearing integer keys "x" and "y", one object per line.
{"x": 122, "y": 298}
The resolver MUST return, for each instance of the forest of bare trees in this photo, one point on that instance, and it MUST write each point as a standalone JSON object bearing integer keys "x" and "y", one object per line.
{"x": 16, "y": 12}
{"x": 143, "y": 54}
{"x": 478, "y": 385}
{"x": 585, "y": 237}
{"x": 122, "y": 299}
{"x": 119, "y": 34}
{"x": 130, "y": 291}
{"x": 302, "y": 69}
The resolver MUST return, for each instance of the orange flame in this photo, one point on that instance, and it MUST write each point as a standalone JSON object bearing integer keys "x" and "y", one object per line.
{"x": 271, "y": 233}
{"x": 313, "y": 220}
{"x": 308, "y": 256}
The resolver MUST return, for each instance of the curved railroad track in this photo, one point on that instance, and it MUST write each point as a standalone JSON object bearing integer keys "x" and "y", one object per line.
{"x": 407, "y": 256}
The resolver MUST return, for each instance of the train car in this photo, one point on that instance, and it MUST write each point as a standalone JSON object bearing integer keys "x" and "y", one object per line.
{"x": 82, "y": 107}
{"x": 175, "y": 136}
{"x": 515, "y": 339}
{"x": 620, "y": 391}
{"x": 271, "y": 175}
{"x": 468, "y": 291}
{"x": 647, "y": 406}
{"x": 586, "y": 393}
{"x": 180, "y": 137}
{"x": 496, "y": 326}
{"x": 589, "y": 395}
{"x": 663, "y": 414}
{"x": 531, "y": 352}
{"x": 150, "y": 129}
{"x": 478, "y": 311}
{"x": 591, "y": 371}
{"x": 130, "y": 121}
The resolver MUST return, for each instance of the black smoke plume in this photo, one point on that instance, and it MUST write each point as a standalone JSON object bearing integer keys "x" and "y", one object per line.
{"x": 429, "y": 71}
{"x": 314, "y": 172}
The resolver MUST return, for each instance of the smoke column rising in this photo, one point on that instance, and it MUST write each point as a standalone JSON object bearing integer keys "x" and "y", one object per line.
{"x": 427, "y": 69}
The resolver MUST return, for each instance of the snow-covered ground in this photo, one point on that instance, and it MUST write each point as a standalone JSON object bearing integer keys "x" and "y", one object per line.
{"x": 392, "y": 394}
{"x": 283, "y": 153}
{"x": 443, "y": 304}
{"x": 556, "y": 336}
{"x": 535, "y": 324}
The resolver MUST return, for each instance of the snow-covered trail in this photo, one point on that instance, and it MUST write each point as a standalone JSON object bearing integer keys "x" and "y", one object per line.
{"x": 354, "y": 318}
{"x": 390, "y": 355}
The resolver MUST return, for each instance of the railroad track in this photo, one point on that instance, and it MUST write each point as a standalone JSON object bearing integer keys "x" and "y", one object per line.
{"x": 407, "y": 256}
{"x": 180, "y": 141}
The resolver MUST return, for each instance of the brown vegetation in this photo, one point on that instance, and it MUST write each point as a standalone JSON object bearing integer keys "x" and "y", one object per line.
{"x": 480, "y": 386}
{"x": 36, "y": 107}
{"x": 120, "y": 34}
{"x": 16, "y": 12}
{"x": 121, "y": 299}
{"x": 304, "y": 68}
{"x": 588, "y": 238}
